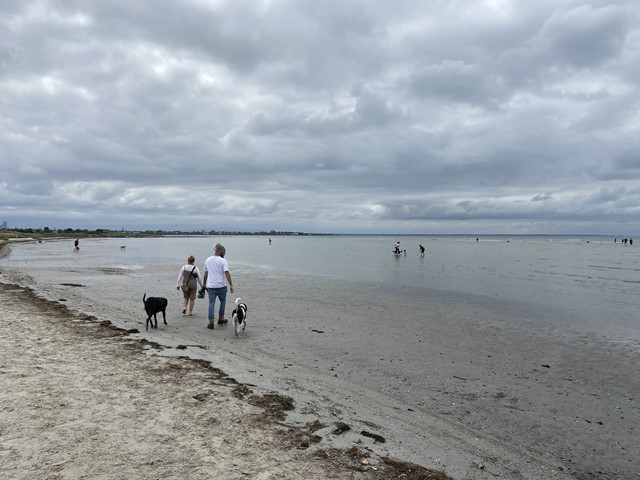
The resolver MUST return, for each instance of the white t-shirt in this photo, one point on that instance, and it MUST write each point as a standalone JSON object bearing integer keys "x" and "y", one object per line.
{"x": 216, "y": 266}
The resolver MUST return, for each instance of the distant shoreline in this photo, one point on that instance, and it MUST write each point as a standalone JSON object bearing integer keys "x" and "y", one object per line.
{"x": 39, "y": 234}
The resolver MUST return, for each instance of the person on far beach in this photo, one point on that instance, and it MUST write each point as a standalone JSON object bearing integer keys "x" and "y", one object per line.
{"x": 421, "y": 250}
{"x": 397, "y": 248}
{"x": 188, "y": 281}
{"x": 216, "y": 271}
{"x": 76, "y": 245}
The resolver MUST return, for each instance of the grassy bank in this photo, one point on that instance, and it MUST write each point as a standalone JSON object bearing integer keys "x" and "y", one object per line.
{"x": 48, "y": 235}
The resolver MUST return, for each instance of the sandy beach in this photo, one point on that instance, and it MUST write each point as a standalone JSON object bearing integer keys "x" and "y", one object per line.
{"x": 81, "y": 399}
{"x": 92, "y": 395}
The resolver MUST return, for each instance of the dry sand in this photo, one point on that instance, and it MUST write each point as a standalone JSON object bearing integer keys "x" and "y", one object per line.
{"x": 80, "y": 399}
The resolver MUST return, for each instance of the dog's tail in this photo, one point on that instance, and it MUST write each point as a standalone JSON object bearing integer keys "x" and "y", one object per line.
{"x": 238, "y": 300}
{"x": 144, "y": 297}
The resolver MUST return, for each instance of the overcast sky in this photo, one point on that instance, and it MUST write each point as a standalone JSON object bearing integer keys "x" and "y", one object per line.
{"x": 340, "y": 116}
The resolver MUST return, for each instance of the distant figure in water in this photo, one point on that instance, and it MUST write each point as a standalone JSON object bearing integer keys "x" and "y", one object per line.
{"x": 421, "y": 250}
{"x": 397, "y": 248}
{"x": 269, "y": 241}
{"x": 76, "y": 245}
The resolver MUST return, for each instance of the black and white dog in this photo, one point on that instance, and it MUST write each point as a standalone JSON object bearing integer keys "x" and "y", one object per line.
{"x": 153, "y": 306}
{"x": 239, "y": 316}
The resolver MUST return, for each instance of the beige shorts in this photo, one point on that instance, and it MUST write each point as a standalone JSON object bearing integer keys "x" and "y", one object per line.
{"x": 192, "y": 290}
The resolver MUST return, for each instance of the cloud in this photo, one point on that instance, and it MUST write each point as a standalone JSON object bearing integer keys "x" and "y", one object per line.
{"x": 475, "y": 116}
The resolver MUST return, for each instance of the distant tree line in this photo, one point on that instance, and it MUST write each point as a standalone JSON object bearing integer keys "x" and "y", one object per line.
{"x": 47, "y": 232}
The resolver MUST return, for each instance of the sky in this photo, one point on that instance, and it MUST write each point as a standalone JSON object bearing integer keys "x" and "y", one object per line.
{"x": 333, "y": 116}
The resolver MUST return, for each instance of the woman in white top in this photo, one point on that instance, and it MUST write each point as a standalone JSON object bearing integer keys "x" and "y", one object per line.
{"x": 188, "y": 281}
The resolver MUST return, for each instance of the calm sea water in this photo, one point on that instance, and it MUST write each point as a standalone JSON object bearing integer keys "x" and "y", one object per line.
{"x": 590, "y": 283}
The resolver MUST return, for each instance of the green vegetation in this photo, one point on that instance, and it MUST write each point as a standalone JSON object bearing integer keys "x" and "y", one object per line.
{"x": 47, "y": 233}
{"x": 41, "y": 234}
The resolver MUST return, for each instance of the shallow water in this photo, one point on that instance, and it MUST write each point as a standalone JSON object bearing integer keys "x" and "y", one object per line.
{"x": 589, "y": 284}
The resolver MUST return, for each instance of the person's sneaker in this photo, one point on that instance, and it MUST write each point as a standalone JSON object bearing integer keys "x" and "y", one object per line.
{"x": 222, "y": 321}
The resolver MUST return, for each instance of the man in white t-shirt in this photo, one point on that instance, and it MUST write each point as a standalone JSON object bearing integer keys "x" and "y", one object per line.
{"x": 216, "y": 276}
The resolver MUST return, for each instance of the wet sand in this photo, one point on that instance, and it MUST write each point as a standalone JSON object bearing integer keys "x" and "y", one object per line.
{"x": 521, "y": 405}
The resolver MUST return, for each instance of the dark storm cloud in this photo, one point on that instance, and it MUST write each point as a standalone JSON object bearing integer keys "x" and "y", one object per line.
{"x": 410, "y": 116}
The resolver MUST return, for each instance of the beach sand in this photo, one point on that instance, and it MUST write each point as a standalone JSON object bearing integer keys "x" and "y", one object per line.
{"x": 476, "y": 403}
{"x": 81, "y": 399}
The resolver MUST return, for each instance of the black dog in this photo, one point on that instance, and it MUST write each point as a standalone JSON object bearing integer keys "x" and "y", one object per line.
{"x": 153, "y": 306}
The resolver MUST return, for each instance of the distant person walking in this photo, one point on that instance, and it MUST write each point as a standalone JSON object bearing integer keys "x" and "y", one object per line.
{"x": 76, "y": 245}
{"x": 216, "y": 271}
{"x": 188, "y": 281}
{"x": 421, "y": 250}
{"x": 397, "y": 248}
